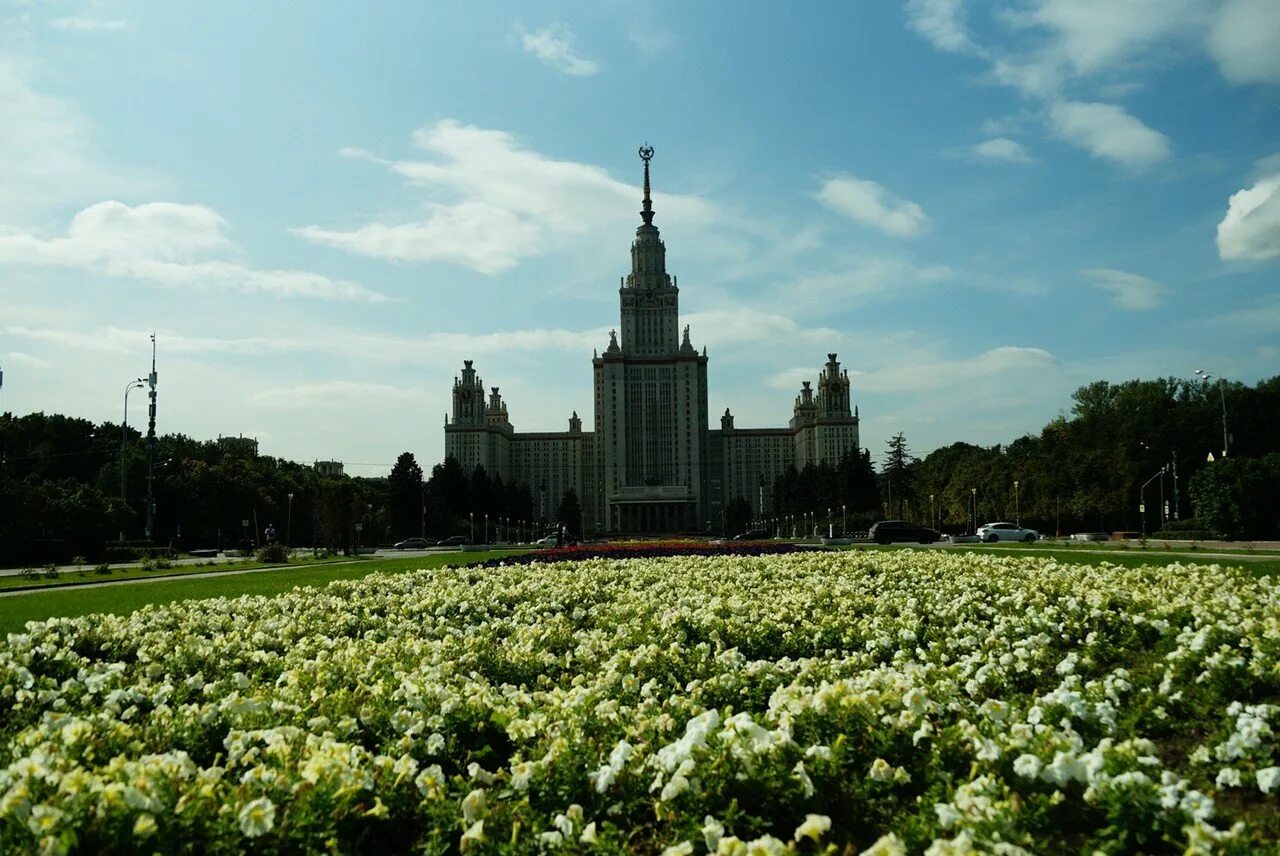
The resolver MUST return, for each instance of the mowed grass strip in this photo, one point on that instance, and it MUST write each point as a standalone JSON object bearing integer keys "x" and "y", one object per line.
{"x": 68, "y": 601}
{"x": 88, "y": 575}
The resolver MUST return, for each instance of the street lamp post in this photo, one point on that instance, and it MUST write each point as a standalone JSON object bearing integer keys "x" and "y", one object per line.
{"x": 471, "y": 518}
{"x": 1222, "y": 396}
{"x": 1017, "y": 510}
{"x": 124, "y": 438}
{"x": 844, "y": 521}
{"x": 288, "y": 529}
{"x": 933, "y": 513}
{"x": 1142, "y": 500}
{"x": 973, "y": 512}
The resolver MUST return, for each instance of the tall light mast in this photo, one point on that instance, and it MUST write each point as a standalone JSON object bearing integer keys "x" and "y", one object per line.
{"x": 151, "y": 444}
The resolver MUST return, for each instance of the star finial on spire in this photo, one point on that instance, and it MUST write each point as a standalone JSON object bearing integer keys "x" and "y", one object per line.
{"x": 646, "y": 155}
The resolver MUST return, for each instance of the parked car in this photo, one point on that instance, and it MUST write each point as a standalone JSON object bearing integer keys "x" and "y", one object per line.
{"x": 752, "y": 535}
{"x": 413, "y": 544}
{"x": 452, "y": 541}
{"x": 891, "y": 531}
{"x": 992, "y": 532}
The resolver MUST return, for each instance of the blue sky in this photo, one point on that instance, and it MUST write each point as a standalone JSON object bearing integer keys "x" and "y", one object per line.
{"x": 322, "y": 209}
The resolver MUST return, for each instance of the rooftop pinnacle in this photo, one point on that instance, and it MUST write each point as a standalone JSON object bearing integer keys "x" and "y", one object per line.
{"x": 646, "y": 155}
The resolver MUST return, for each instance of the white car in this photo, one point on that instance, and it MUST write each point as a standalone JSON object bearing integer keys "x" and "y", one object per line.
{"x": 547, "y": 541}
{"x": 992, "y": 532}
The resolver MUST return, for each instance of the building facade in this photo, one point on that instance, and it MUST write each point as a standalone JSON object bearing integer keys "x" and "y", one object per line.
{"x": 652, "y": 463}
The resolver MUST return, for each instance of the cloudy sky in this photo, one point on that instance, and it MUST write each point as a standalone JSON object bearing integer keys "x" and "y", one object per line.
{"x": 321, "y": 209}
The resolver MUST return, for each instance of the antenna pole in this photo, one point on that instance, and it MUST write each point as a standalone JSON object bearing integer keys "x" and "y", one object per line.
{"x": 151, "y": 445}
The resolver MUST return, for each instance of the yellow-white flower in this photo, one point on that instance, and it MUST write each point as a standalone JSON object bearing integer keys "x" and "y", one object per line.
{"x": 813, "y": 827}
{"x": 257, "y": 817}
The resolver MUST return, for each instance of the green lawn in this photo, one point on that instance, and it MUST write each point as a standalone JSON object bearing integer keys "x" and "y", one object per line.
{"x": 87, "y": 575}
{"x": 17, "y": 609}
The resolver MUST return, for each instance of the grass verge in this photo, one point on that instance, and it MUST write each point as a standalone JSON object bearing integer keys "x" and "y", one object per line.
{"x": 69, "y": 601}
{"x": 88, "y": 574}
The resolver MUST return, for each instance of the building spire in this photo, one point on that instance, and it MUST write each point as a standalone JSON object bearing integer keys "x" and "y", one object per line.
{"x": 646, "y": 155}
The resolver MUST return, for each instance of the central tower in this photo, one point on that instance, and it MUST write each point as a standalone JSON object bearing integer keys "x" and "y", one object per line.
{"x": 651, "y": 400}
{"x": 649, "y": 300}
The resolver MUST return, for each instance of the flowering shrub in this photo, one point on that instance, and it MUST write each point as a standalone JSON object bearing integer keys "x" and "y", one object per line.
{"x": 876, "y": 702}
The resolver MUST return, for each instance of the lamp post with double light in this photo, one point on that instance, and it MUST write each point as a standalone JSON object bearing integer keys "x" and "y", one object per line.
{"x": 1222, "y": 396}
{"x": 137, "y": 383}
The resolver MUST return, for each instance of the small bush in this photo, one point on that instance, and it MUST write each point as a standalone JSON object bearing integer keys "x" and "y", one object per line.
{"x": 50, "y": 571}
{"x": 79, "y": 562}
{"x": 29, "y": 574}
{"x": 102, "y": 570}
{"x": 273, "y": 553}
{"x": 147, "y": 565}
{"x": 161, "y": 563}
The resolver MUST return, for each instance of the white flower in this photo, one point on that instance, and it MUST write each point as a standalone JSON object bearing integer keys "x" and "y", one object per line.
{"x": 1268, "y": 778}
{"x": 684, "y": 848}
{"x": 473, "y": 806}
{"x": 473, "y": 835}
{"x": 257, "y": 817}
{"x": 947, "y": 815}
{"x": 880, "y": 771}
{"x": 1229, "y": 777}
{"x": 712, "y": 832}
{"x": 813, "y": 827}
{"x": 886, "y": 845}
{"x": 1027, "y": 766}
{"x": 588, "y": 835}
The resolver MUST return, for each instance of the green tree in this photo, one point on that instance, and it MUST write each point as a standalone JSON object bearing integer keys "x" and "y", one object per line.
{"x": 737, "y": 517}
{"x": 405, "y": 495}
{"x": 896, "y": 475}
{"x": 570, "y": 513}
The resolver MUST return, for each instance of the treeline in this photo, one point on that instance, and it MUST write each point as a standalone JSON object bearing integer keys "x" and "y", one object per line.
{"x": 60, "y": 492}
{"x": 60, "y": 488}
{"x": 1085, "y": 470}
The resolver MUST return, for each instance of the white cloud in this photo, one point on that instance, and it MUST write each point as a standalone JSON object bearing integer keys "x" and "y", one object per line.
{"x": 1245, "y": 41}
{"x": 498, "y": 203}
{"x": 995, "y": 364}
{"x": 1091, "y": 35}
{"x": 1250, "y": 231}
{"x": 46, "y": 158}
{"x": 651, "y": 41}
{"x": 942, "y": 23}
{"x": 1003, "y": 149}
{"x": 554, "y": 46}
{"x": 1108, "y": 132}
{"x": 743, "y": 325}
{"x": 86, "y": 25}
{"x": 791, "y": 378}
{"x": 24, "y": 359}
{"x": 164, "y": 242}
{"x": 326, "y": 393}
{"x": 1128, "y": 290}
{"x": 117, "y": 340}
{"x": 870, "y": 204}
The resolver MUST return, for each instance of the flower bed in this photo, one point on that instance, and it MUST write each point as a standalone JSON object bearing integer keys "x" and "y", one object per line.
{"x": 645, "y": 550}
{"x": 886, "y": 702}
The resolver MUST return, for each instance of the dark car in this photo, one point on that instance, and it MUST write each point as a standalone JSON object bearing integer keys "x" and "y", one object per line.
{"x": 452, "y": 541}
{"x": 892, "y": 531}
{"x": 753, "y": 535}
{"x": 413, "y": 544}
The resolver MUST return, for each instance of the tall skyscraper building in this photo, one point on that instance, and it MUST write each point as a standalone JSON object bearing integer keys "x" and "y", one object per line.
{"x": 651, "y": 464}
